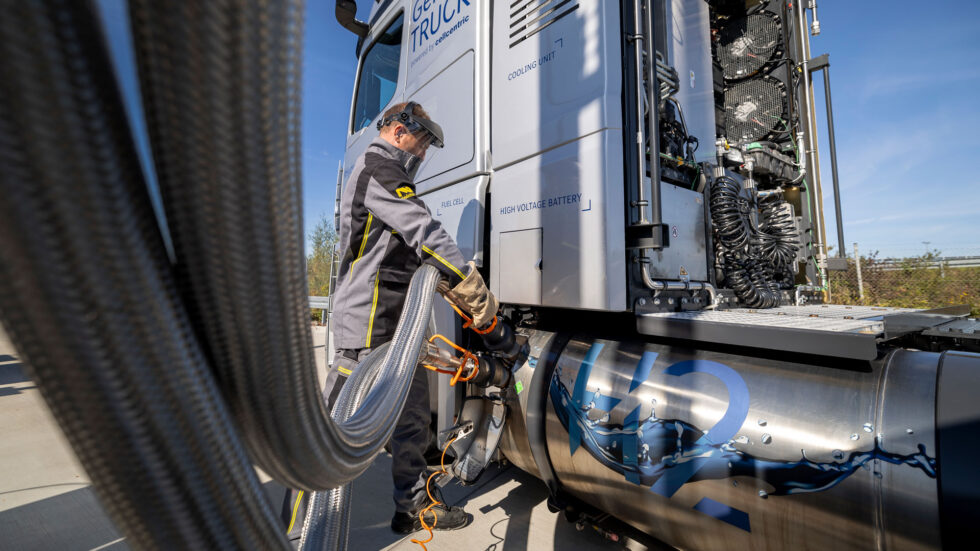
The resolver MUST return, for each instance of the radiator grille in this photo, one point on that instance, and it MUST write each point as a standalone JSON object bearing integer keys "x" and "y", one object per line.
{"x": 529, "y": 17}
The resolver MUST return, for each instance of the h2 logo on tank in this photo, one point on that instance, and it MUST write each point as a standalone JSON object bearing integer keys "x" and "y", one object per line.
{"x": 665, "y": 454}
{"x": 674, "y": 473}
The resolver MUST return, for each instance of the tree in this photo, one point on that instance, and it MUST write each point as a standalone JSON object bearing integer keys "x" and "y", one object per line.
{"x": 323, "y": 239}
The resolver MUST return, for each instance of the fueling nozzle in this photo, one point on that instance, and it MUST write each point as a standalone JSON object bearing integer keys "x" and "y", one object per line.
{"x": 506, "y": 349}
{"x": 500, "y": 338}
{"x": 491, "y": 368}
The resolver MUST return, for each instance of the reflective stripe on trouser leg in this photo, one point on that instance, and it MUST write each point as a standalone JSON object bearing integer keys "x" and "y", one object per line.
{"x": 343, "y": 366}
{"x": 408, "y": 444}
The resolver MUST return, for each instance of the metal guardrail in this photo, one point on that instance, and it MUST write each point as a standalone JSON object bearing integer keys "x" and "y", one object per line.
{"x": 319, "y": 303}
{"x": 323, "y": 305}
{"x": 938, "y": 263}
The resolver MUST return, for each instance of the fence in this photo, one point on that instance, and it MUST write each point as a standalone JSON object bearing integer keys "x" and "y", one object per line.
{"x": 930, "y": 280}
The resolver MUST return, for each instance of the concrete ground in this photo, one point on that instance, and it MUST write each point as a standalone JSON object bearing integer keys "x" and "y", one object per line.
{"x": 46, "y": 501}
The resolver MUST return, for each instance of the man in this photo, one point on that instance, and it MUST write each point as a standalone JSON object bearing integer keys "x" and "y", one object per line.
{"x": 386, "y": 233}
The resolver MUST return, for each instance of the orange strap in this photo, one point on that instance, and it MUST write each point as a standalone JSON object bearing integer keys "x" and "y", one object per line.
{"x": 468, "y": 321}
{"x": 467, "y": 355}
{"x": 437, "y": 370}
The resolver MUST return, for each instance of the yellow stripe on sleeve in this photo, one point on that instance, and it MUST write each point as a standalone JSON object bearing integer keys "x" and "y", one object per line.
{"x": 444, "y": 262}
{"x": 344, "y": 370}
{"x": 374, "y": 307}
{"x": 360, "y": 252}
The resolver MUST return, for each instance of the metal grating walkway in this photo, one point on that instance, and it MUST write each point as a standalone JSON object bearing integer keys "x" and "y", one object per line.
{"x": 827, "y": 330}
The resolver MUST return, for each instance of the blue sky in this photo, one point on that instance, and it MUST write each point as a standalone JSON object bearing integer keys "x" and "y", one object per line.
{"x": 905, "y": 86}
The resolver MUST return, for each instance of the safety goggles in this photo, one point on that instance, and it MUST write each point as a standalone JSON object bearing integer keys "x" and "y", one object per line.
{"x": 429, "y": 132}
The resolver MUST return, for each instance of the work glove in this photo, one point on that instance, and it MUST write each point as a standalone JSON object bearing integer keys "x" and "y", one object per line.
{"x": 472, "y": 295}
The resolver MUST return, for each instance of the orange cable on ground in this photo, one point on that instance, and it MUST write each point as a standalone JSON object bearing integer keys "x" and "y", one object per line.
{"x": 435, "y": 502}
{"x": 457, "y": 376}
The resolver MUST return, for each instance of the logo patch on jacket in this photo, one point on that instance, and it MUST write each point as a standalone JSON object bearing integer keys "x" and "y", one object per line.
{"x": 405, "y": 192}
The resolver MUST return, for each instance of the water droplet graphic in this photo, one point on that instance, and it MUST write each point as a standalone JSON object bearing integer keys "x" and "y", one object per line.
{"x": 909, "y": 431}
{"x": 868, "y": 427}
{"x": 672, "y": 442}
{"x": 763, "y": 422}
{"x": 763, "y": 494}
{"x": 855, "y": 436}
{"x": 766, "y": 439}
{"x": 743, "y": 439}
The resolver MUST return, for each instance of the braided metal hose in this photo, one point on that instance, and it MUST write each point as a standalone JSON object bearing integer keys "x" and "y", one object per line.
{"x": 328, "y": 514}
{"x": 220, "y": 83}
{"x": 128, "y": 381}
{"x": 134, "y": 388}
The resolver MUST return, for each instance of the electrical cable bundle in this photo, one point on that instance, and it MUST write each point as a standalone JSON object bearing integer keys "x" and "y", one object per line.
{"x": 755, "y": 261}
{"x": 728, "y": 213}
{"x": 748, "y": 277}
{"x": 781, "y": 241}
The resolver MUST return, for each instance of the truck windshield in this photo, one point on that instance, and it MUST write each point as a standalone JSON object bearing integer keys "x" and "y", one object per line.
{"x": 379, "y": 75}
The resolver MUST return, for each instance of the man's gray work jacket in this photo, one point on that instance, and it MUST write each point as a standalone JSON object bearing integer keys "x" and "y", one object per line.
{"x": 386, "y": 232}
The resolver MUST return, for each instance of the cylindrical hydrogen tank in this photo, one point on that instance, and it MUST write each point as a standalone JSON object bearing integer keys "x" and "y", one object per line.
{"x": 710, "y": 450}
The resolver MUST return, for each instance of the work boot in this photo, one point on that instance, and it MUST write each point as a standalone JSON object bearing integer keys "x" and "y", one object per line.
{"x": 444, "y": 518}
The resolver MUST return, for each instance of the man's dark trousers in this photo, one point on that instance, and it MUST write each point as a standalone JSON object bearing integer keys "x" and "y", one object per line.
{"x": 411, "y": 436}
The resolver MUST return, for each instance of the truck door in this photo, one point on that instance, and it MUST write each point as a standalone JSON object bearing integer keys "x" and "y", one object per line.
{"x": 433, "y": 52}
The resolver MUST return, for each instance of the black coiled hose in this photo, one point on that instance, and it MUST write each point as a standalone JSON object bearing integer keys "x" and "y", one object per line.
{"x": 754, "y": 260}
{"x": 782, "y": 239}
{"x": 728, "y": 214}
{"x": 128, "y": 381}
{"x": 748, "y": 278}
